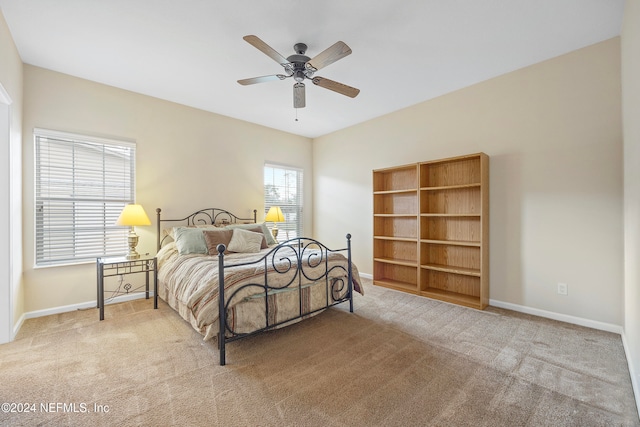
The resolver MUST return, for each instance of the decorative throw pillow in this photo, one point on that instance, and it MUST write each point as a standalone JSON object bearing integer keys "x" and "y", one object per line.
{"x": 167, "y": 235}
{"x": 257, "y": 229}
{"x": 190, "y": 241}
{"x": 215, "y": 237}
{"x": 245, "y": 241}
{"x": 267, "y": 233}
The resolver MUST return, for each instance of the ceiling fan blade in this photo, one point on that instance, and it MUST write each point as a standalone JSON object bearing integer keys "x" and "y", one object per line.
{"x": 266, "y": 49}
{"x": 343, "y": 89}
{"x": 298, "y": 95}
{"x": 328, "y": 56}
{"x": 262, "y": 79}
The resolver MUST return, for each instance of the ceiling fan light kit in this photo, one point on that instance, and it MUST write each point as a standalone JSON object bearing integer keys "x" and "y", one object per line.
{"x": 301, "y": 67}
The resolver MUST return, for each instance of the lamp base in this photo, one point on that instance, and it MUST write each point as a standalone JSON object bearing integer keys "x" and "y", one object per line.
{"x": 132, "y": 240}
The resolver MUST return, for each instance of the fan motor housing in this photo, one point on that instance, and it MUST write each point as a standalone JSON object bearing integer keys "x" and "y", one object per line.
{"x": 298, "y": 59}
{"x": 298, "y": 62}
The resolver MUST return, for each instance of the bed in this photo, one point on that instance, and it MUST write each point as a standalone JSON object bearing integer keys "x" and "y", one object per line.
{"x": 229, "y": 278}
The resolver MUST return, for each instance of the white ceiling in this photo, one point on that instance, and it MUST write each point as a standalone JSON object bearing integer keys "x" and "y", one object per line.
{"x": 404, "y": 52}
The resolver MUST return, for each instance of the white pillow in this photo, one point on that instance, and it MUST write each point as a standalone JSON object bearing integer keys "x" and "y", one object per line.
{"x": 245, "y": 241}
{"x": 265, "y": 231}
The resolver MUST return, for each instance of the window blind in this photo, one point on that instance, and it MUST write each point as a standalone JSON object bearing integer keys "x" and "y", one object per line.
{"x": 81, "y": 186}
{"x": 283, "y": 187}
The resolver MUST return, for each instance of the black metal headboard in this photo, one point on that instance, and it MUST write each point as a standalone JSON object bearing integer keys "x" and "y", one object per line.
{"x": 203, "y": 217}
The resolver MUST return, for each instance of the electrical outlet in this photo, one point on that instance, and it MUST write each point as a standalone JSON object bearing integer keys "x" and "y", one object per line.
{"x": 563, "y": 289}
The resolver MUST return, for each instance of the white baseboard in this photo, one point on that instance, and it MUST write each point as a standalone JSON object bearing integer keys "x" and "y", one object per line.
{"x": 632, "y": 372}
{"x": 594, "y": 324}
{"x": 366, "y": 275}
{"x": 17, "y": 326}
{"x": 79, "y": 306}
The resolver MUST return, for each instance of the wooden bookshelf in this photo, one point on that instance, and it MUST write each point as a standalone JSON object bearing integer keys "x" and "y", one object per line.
{"x": 431, "y": 229}
{"x": 395, "y": 228}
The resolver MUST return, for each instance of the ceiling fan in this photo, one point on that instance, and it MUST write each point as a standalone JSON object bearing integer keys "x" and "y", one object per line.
{"x": 301, "y": 67}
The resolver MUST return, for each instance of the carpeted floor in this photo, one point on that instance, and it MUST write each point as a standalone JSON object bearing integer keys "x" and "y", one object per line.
{"x": 399, "y": 360}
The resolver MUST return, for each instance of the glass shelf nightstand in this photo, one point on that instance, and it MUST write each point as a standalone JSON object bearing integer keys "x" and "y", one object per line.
{"x": 120, "y": 266}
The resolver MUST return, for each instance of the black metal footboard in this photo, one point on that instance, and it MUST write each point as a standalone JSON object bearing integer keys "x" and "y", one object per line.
{"x": 296, "y": 265}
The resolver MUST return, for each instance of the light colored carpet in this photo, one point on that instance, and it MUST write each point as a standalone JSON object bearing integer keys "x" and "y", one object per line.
{"x": 398, "y": 360}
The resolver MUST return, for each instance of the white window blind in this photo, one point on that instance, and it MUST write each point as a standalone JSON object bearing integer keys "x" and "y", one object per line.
{"x": 283, "y": 187}
{"x": 82, "y": 184}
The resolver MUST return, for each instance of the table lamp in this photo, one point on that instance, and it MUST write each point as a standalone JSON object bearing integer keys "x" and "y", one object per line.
{"x": 131, "y": 216}
{"x": 275, "y": 216}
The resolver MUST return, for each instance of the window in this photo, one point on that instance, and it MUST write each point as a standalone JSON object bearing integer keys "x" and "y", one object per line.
{"x": 82, "y": 184}
{"x": 283, "y": 188}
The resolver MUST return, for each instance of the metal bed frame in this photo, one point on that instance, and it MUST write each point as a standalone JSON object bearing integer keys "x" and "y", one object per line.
{"x": 310, "y": 257}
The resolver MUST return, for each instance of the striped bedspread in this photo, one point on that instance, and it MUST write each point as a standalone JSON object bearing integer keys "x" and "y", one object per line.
{"x": 189, "y": 284}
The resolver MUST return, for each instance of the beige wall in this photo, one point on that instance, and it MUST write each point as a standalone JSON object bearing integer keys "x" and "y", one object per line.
{"x": 10, "y": 181}
{"x": 553, "y": 132}
{"x": 186, "y": 159}
{"x": 631, "y": 132}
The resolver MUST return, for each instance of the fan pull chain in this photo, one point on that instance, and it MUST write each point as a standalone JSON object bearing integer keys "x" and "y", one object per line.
{"x": 296, "y": 114}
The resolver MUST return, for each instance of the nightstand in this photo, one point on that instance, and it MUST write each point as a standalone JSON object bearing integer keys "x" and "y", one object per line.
{"x": 120, "y": 266}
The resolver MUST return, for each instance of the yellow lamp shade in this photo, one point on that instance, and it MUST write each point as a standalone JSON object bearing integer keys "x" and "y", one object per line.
{"x": 274, "y": 215}
{"x": 133, "y": 215}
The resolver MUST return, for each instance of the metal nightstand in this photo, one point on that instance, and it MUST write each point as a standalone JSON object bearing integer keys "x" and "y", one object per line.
{"x": 120, "y": 266}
